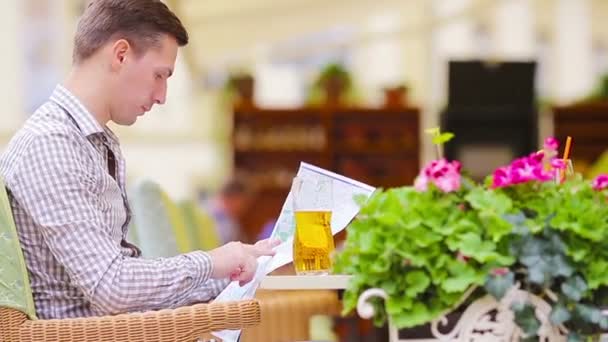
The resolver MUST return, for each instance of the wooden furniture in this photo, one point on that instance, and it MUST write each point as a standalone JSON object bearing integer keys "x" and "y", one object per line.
{"x": 349, "y": 328}
{"x": 377, "y": 146}
{"x": 182, "y": 324}
{"x": 286, "y": 314}
{"x": 296, "y": 282}
{"x": 587, "y": 124}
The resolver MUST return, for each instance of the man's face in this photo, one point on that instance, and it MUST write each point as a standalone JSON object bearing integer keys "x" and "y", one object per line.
{"x": 141, "y": 81}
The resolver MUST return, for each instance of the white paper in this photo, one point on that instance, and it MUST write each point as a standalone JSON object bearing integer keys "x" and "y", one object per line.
{"x": 343, "y": 211}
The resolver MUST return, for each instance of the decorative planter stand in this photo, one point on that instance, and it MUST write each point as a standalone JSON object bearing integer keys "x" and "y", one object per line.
{"x": 483, "y": 320}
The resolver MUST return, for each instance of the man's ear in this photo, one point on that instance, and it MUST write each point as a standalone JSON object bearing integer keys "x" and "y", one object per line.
{"x": 120, "y": 51}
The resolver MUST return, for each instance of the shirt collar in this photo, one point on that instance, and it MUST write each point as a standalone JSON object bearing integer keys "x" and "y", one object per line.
{"x": 70, "y": 103}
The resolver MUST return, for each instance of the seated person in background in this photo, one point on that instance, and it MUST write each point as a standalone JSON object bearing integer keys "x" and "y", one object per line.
{"x": 226, "y": 207}
{"x": 267, "y": 229}
{"x": 65, "y": 177}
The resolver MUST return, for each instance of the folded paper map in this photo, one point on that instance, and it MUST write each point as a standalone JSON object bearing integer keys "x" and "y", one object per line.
{"x": 344, "y": 210}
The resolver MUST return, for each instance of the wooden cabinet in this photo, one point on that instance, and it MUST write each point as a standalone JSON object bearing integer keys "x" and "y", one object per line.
{"x": 587, "y": 124}
{"x": 376, "y": 146}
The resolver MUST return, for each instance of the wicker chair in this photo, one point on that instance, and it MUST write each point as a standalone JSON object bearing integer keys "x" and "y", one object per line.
{"x": 18, "y": 317}
{"x": 182, "y": 324}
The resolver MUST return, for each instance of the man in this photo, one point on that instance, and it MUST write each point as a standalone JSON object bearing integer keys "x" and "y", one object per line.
{"x": 65, "y": 176}
{"x": 227, "y": 207}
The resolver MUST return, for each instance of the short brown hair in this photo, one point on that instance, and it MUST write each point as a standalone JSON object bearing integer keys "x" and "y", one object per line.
{"x": 140, "y": 22}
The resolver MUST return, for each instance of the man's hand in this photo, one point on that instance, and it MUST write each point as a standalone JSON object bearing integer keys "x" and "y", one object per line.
{"x": 238, "y": 261}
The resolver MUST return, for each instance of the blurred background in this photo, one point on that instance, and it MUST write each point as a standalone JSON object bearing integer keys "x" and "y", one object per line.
{"x": 347, "y": 85}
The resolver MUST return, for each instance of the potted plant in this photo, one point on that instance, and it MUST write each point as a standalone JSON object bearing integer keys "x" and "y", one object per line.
{"x": 525, "y": 253}
{"x": 396, "y": 96}
{"x": 240, "y": 88}
{"x": 334, "y": 80}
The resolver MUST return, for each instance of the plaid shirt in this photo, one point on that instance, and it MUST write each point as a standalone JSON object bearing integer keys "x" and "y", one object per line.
{"x": 72, "y": 218}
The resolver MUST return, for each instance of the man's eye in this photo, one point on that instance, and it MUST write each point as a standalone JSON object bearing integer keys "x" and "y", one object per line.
{"x": 158, "y": 76}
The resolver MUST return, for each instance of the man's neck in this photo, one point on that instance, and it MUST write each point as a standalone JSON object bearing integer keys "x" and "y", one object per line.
{"x": 85, "y": 85}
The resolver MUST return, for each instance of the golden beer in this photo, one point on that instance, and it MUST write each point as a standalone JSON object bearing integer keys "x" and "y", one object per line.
{"x": 313, "y": 242}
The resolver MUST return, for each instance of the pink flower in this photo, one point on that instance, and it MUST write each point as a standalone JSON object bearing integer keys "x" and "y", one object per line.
{"x": 462, "y": 257}
{"x": 551, "y": 144}
{"x": 500, "y": 271}
{"x": 522, "y": 170}
{"x": 529, "y": 168}
{"x": 600, "y": 182}
{"x": 421, "y": 183}
{"x": 445, "y": 175}
{"x": 558, "y": 164}
{"x": 448, "y": 184}
{"x": 501, "y": 177}
{"x": 536, "y": 157}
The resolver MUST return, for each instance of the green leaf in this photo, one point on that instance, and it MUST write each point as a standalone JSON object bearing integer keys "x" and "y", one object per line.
{"x": 417, "y": 282}
{"x": 533, "y": 256}
{"x": 498, "y": 285}
{"x": 574, "y": 288}
{"x": 597, "y": 274}
{"x": 418, "y": 315}
{"x": 518, "y": 222}
{"x": 556, "y": 243}
{"x": 442, "y": 138}
{"x": 368, "y": 242}
{"x": 462, "y": 276}
{"x": 472, "y": 246}
{"x": 424, "y": 238}
{"x": 396, "y": 305}
{"x": 532, "y": 249}
{"x": 559, "y": 314}
{"x": 574, "y": 337}
{"x": 559, "y": 266}
{"x": 488, "y": 200}
{"x": 496, "y": 227}
{"x": 525, "y": 318}
{"x": 381, "y": 265}
{"x": 387, "y": 219}
{"x": 539, "y": 273}
{"x": 589, "y": 313}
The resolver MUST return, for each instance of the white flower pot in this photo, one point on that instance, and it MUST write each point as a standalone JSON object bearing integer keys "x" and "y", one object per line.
{"x": 486, "y": 319}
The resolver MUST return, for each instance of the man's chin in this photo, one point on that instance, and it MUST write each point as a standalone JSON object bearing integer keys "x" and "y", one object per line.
{"x": 128, "y": 122}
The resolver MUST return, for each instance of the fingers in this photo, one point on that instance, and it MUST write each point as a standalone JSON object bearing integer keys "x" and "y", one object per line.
{"x": 248, "y": 267}
{"x": 264, "y": 247}
{"x": 238, "y": 261}
{"x": 270, "y": 242}
{"x": 248, "y": 270}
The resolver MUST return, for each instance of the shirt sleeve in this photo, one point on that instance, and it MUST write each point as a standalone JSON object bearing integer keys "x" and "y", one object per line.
{"x": 209, "y": 290}
{"x": 56, "y": 184}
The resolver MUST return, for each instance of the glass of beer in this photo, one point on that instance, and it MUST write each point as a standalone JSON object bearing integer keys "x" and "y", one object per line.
{"x": 313, "y": 241}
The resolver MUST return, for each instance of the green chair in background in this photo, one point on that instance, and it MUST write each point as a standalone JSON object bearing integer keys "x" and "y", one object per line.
{"x": 15, "y": 290}
{"x": 183, "y": 237}
{"x": 200, "y": 225}
{"x": 152, "y": 222}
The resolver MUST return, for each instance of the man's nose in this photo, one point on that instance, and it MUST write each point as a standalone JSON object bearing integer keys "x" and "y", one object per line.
{"x": 160, "y": 96}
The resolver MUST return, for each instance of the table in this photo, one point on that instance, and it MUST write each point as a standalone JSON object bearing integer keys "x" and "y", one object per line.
{"x": 305, "y": 282}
